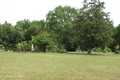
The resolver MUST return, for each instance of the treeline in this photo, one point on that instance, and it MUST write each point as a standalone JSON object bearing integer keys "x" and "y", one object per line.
{"x": 65, "y": 28}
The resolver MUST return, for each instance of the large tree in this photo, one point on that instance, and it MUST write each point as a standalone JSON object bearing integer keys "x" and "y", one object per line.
{"x": 93, "y": 25}
{"x": 42, "y": 39}
{"x": 6, "y": 34}
{"x": 117, "y": 35}
{"x": 60, "y": 24}
{"x": 23, "y": 26}
{"x": 30, "y": 28}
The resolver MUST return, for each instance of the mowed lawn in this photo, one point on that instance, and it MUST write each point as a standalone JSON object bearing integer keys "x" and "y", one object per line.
{"x": 59, "y": 66}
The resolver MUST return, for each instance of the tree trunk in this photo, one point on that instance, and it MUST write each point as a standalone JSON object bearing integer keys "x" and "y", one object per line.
{"x": 89, "y": 52}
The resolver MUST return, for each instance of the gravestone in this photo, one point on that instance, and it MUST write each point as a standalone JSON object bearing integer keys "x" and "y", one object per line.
{"x": 32, "y": 48}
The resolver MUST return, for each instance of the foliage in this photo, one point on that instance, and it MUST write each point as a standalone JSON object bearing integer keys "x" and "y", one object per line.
{"x": 23, "y": 44}
{"x": 54, "y": 49}
{"x": 60, "y": 24}
{"x": 7, "y": 35}
{"x": 36, "y": 50}
{"x": 23, "y": 26}
{"x": 93, "y": 25}
{"x": 118, "y": 34}
{"x": 113, "y": 45}
{"x": 104, "y": 51}
{"x": 65, "y": 27}
{"x": 107, "y": 49}
{"x": 117, "y": 47}
{"x": 97, "y": 49}
{"x": 1, "y": 45}
{"x": 62, "y": 51}
{"x": 42, "y": 39}
{"x": 117, "y": 52}
{"x": 29, "y": 29}
{"x": 19, "y": 46}
{"x": 57, "y": 50}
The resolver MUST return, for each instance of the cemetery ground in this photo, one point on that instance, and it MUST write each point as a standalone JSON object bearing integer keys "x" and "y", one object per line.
{"x": 59, "y": 66}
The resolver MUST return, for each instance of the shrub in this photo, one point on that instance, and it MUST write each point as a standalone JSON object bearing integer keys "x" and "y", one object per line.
{"x": 108, "y": 50}
{"x": 63, "y": 51}
{"x": 117, "y": 52}
{"x": 97, "y": 49}
{"x": 104, "y": 51}
{"x": 54, "y": 49}
{"x": 36, "y": 50}
{"x": 19, "y": 46}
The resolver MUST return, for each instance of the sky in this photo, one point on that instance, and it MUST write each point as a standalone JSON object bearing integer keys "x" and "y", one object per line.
{"x": 15, "y": 10}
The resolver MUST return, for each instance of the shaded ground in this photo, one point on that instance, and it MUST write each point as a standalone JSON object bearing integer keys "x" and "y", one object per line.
{"x": 93, "y": 54}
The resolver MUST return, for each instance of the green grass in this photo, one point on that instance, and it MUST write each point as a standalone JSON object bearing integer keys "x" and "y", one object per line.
{"x": 56, "y": 66}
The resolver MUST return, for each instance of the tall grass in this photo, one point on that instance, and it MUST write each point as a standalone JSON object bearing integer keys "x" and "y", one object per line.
{"x": 56, "y": 66}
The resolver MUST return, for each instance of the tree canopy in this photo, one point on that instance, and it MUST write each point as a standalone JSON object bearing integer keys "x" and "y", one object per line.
{"x": 67, "y": 28}
{"x": 60, "y": 22}
{"x": 94, "y": 25}
{"x": 42, "y": 39}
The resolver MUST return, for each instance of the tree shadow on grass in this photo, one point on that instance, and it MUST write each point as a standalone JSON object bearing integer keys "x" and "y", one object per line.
{"x": 93, "y": 54}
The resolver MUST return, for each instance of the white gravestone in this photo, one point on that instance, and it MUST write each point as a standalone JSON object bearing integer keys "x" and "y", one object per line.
{"x": 32, "y": 48}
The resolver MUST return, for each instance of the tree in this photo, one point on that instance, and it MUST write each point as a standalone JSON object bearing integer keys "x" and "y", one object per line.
{"x": 30, "y": 28}
{"x": 36, "y": 27}
{"x": 23, "y": 26}
{"x": 94, "y": 25}
{"x": 7, "y": 35}
{"x": 117, "y": 35}
{"x": 10, "y": 35}
{"x": 113, "y": 45}
{"x": 43, "y": 39}
{"x": 60, "y": 24}
{"x": 18, "y": 35}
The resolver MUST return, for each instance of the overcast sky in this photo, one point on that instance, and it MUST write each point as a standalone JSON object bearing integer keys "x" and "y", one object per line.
{"x": 15, "y": 10}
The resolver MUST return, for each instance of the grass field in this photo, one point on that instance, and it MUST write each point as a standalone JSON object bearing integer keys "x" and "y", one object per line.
{"x": 56, "y": 66}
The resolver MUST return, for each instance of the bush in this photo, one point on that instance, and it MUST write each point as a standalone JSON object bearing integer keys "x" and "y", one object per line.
{"x": 104, "y": 51}
{"x": 54, "y": 49}
{"x": 18, "y": 46}
{"x": 63, "y": 51}
{"x": 108, "y": 50}
{"x": 36, "y": 50}
{"x": 97, "y": 49}
{"x": 117, "y": 52}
